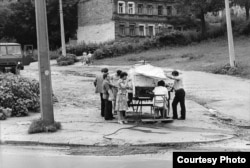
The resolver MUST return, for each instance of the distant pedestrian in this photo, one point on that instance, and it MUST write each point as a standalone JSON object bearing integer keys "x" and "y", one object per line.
{"x": 89, "y": 59}
{"x": 107, "y": 92}
{"x": 84, "y": 55}
{"x": 179, "y": 95}
{"x": 98, "y": 85}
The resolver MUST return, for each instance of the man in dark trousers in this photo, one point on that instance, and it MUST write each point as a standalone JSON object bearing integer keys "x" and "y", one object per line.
{"x": 107, "y": 92}
{"x": 99, "y": 89}
{"x": 179, "y": 95}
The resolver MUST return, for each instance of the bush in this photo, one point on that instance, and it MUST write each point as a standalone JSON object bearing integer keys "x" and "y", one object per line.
{"x": 69, "y": 59}
{"x": 21, "y": 95}
{"x": 243, "y": 28}
{"x": 82, "y": 47}
{"x": 130, "y": 45}
{"x": 39, "y": 126}
{"x": 216, "y": 31}
{"x": 228, "y": 70}
{"x": 53, "y": 55}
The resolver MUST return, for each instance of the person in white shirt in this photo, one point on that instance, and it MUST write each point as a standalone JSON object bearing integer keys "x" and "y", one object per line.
{"x": 179, "y": 95}
{"x": 160, "y": 93}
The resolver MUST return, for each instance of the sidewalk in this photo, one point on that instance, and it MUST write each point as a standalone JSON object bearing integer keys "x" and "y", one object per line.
{"x": 79, "y": 113}
{"x": 87, "y": 128}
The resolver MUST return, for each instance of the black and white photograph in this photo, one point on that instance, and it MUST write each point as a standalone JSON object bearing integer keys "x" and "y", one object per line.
{"x": 124, "y": 83}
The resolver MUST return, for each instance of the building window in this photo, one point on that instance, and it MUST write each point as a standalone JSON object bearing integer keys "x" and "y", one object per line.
{"x": 169, "y": 10}
{"x": 132, "y": 30}
{"x": 160, "y": 28}
{"x": 151, "y": 30}
{"x": 160, "y": 10}
{"x": 121, "y": 7}
{"x": 140, "y": 8}
{"x": 150, "y": 9}
{"x": 170, "y": 28}
{"x": 122, "y": 29}
{"x": 131, "y": 7}
{"x": 179, "y": 28}
{"x": 142, "y": 30}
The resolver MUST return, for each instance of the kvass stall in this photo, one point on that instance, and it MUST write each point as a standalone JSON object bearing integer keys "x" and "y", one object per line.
{"x": 144, "y": 80}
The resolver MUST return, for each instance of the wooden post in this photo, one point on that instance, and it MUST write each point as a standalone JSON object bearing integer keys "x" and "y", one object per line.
{"x": 62, "y": 28}
{"x": 46, "y": 104}
{"x": 230, "y": 35}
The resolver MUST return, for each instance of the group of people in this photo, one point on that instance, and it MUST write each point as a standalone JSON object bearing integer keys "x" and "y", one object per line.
{"x": 113, "y": 94}
{"x": 87, "y": 58}
{"x": 116, "y": 93}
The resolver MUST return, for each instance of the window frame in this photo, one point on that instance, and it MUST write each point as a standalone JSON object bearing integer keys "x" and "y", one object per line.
{"x": 140, "y": 8}
{"x": 122, "y": 33}
{"x": 134, "y": 29}
{"x": 123, "y": 7}
{"x": 151, "y": 25}
{"x": 152, "y": 9}
{"x": 133, "y": 8}
{"x": 171, "y": 7}
{"x": 144, "y": 30}
{"x": 158, "y": 7}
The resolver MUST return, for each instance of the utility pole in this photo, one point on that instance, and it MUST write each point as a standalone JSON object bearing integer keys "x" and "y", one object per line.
{"x": 62, "y": 28}
{"x": 230, "y": 35}
{"x": 46, "y": 104}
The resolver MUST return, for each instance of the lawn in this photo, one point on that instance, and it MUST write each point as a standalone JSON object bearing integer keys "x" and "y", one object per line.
{"x": 205, "y": 56}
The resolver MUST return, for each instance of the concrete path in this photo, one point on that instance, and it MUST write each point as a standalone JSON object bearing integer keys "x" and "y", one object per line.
{"x": 78, "y": 111}
{"x": 225, "y": 94}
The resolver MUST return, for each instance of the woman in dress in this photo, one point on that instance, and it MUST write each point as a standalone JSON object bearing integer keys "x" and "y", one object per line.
{"x": 121, "y": 100}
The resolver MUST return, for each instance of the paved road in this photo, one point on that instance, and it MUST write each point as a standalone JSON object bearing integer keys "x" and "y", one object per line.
{"x": 225, "y": 94}
{"x": 13, "y": 157}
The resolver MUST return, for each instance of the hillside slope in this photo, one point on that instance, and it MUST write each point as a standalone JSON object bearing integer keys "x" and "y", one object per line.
{"x": 205, "y": 56}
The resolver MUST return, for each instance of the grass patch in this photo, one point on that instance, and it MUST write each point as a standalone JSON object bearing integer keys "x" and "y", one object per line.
{"x": 206, "y": 56}
{"x": 39, "y": 126}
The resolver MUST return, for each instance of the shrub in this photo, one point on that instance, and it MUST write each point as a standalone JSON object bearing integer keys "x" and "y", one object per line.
{"x": 82, "y": 47}
{"x": 216, "y": 31}
{"x": 130, "y": 45}
{"x": 228, "y": 70}
{"x": 21, "y": 95}
{"x": 69, "y": 59}
{"x": 243, "y": 28}
{"x": 53, "y": 55}
{"x": 39, "y": 126}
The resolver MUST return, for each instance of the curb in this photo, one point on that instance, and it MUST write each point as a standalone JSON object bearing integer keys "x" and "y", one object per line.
{"x": 163, "y": 144}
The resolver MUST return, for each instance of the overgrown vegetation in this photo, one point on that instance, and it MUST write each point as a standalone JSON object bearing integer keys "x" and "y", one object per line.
{"x": 228, "y": 70}
{"x": 20, "y": 95}
{"x": 135, "y": 45}
{"x": 39, "y": 126}
{"x": 18, "y": 24}
{"x": 69, "y": 59}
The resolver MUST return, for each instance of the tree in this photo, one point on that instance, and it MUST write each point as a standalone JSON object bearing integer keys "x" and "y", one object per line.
{"x": 17, "y": 21}
{"x": 70, "y": 21}
{"x": 200, "y": 8}
{"x": 20, "y": 23}
{"x": 245, "y": 4}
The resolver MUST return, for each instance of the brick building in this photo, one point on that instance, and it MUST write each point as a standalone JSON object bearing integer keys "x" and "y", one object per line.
{"x": 103, "y": 20}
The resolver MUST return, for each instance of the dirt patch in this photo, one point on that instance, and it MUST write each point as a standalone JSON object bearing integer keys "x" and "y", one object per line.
{"x": 125, "y": 150}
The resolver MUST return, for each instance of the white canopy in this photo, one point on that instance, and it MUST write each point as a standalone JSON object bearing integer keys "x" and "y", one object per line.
{"x": 149, "y": 71}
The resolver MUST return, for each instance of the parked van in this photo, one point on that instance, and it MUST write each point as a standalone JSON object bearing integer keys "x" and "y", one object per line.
{"x": 12, "y": 58}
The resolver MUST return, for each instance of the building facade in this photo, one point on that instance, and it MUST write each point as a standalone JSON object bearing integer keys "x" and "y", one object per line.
{"x": 104, "y": 20}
